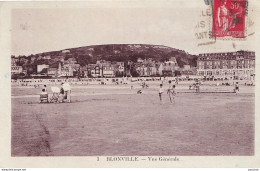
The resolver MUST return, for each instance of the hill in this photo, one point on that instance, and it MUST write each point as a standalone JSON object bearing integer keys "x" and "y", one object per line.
{"x": 111, "y": 52}
{"x": 132, "y": 52}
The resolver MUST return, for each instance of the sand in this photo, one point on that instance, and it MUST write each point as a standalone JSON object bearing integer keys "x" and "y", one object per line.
{"x": 114, "y": 120}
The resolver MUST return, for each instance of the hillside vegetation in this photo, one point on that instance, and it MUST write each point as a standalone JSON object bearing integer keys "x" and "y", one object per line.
{"x": 112, "y": 52}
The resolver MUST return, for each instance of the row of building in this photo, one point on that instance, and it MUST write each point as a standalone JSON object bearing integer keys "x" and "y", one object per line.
{"x": 103, "y": 68}
{"x": 229, "y": 65}
{"x": 71, "y": 69}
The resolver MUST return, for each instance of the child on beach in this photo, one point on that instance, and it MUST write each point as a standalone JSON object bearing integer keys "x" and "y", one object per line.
{"x": 160, "y": 92}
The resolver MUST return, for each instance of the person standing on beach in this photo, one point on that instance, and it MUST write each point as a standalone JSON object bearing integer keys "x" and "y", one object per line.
{"x": 67, "y": 91}
{"x": 160, "y": 92}
{"x": 62, "y": 93}
{"x": 197, "y": 87}
{"x": 236, "y": 88}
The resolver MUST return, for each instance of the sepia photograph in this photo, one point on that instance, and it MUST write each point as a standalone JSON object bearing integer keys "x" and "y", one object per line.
{"x": 119, "y": 78}
{"x": 144, "y": 92}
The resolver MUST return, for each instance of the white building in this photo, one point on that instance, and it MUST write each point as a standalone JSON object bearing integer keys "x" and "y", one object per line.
{"x": 41, "y": 67}
{"x": 186, "y": 67}
{"x": 65, "y": 71}
{"x": 16, "y": 70}
{"x": 52, "y": 72}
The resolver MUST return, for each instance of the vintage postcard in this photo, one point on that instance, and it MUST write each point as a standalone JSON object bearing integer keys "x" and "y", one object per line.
{"x": 129, "y": 83}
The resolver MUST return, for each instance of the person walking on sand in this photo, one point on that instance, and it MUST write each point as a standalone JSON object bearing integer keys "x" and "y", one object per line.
{"x": 171, "y": 91}
{"x": 160, "y": 92}
{"x": 236, "y": 88}
{"x": 197, "y": 87}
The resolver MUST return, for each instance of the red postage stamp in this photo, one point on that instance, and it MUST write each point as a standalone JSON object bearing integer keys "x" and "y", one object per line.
{"x": 229, "y": 18}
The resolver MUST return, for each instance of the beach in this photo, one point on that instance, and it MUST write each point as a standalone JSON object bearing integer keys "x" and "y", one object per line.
{"x": 105, "y": 120}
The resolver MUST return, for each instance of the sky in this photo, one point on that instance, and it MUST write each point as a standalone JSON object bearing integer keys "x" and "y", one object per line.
{"x": 36, "y": 30}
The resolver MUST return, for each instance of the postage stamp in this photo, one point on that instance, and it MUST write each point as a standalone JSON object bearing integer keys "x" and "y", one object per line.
{"x": 229, "y": 18}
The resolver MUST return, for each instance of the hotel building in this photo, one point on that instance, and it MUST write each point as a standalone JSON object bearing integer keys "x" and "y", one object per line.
{"x": 238, "y": 65}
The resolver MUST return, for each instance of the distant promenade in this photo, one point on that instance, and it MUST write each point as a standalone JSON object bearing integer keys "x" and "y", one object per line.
{"x": 118, "y": 80}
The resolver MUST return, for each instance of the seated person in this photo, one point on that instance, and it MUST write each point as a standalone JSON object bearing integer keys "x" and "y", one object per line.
{"x": 44, "y": 92}
{"x": 43, "y": 95}
{"x": 45, "y": 88}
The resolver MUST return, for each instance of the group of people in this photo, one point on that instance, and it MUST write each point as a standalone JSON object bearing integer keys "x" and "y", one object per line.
{"x": 195, "y": 86}
{"x": 170, "y": 91}
{"x": 61, "y": 94}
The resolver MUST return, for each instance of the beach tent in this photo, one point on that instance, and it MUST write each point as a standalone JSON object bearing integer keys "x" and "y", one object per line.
{"x": 66, "y": 87}
{"x": 55, "y": 89}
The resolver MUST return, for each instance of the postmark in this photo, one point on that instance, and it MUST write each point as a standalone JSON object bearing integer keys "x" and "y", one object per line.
{"x": 203, "y": 33}
{"x": 229, "y": 19}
